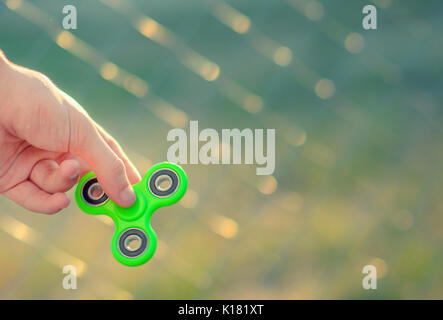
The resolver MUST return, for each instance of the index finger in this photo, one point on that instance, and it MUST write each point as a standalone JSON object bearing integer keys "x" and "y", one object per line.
{"x": 87, "y": 142}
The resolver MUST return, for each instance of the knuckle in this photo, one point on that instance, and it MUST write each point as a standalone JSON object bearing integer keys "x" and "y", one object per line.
{"x": 80, "y": 133}
{"x": 117, "y": 167}
{"x": 112, "y": 144}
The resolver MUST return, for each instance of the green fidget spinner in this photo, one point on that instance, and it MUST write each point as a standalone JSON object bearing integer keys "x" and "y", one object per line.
{"x": 134, "y": 241}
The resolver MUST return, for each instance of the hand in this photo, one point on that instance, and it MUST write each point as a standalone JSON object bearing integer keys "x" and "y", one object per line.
{"x": 47, "y": 140}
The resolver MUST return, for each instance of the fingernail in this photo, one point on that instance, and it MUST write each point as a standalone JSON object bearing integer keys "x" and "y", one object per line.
{"x": 75, "y": 175}
{"x": 128, "y": 196}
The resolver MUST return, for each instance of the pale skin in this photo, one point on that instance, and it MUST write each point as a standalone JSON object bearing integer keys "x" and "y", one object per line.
{"x": 48, "y": 141}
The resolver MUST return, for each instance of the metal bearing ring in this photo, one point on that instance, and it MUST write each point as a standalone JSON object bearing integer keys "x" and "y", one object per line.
{"x": 93, "y": 194}
{"x": 154, "y": 183}
{"x": 129, "y": 236}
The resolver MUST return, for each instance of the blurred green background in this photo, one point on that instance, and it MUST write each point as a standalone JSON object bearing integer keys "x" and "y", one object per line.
{"x": 359, "y": 157}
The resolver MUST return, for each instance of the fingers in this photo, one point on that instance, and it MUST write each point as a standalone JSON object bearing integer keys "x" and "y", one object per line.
{"x": 52, "y": 177}
{"x": 131, "y": 171}
{"x": 88, "y": 143}
{"x": 31, "y": 197}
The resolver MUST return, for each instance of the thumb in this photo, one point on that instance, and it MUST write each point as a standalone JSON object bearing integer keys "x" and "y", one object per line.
{"x": 87, "y": 143}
